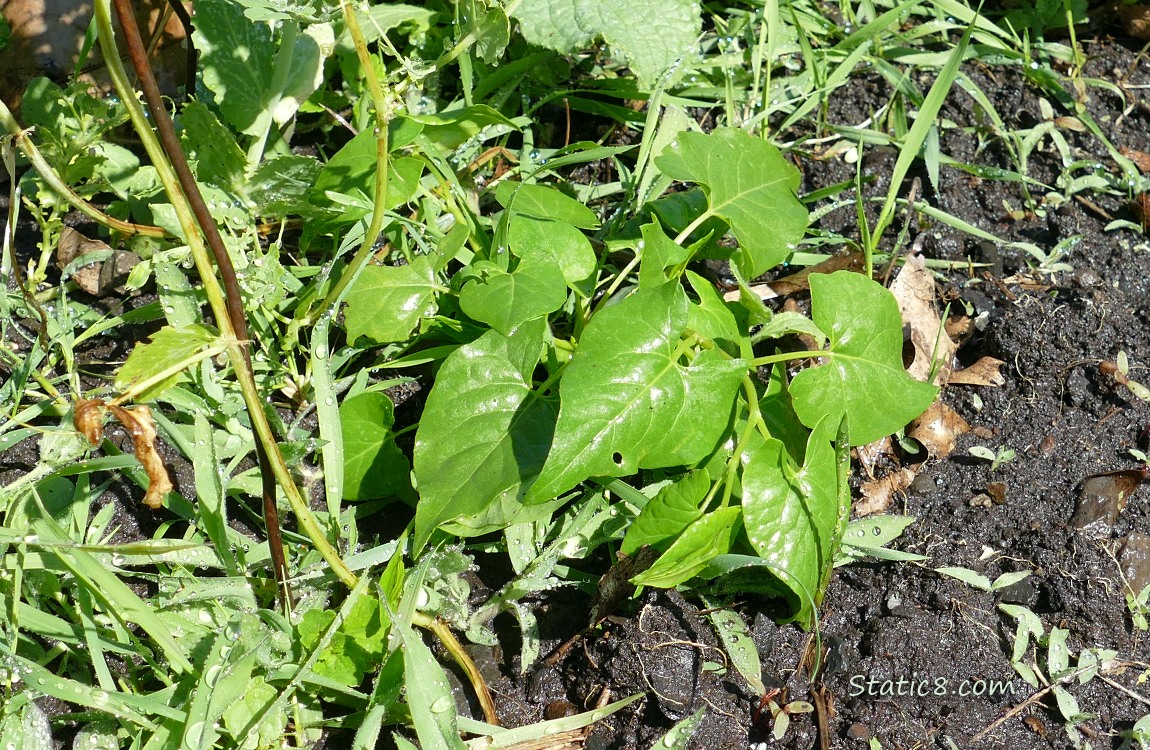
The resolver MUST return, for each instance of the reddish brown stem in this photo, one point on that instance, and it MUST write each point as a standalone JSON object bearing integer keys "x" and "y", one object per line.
{"x": 175, "y": 153}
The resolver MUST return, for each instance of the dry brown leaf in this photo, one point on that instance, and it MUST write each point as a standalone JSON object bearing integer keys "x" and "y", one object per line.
{"x": 914, "y": 290}
{"x": 139, "y": 424}
{"x": 937, "y": 429}
{"x": 870, "y": 454}
{"x": 800, "y": 280}
{"x": 986, "y": 371}
{"x": 1136, "y": 18}
{"x": 99, "y": 277}
{"x": 878, "y": 494}
{"x": 88, "y": 419}
{"x": 1141, "y": 159}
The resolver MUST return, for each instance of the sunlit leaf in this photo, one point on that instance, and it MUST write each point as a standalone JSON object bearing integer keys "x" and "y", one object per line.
{"x": 484, "y": 432}
{"x": 386, "y": 302}
{"x": 504, "y": 300}
{"x": 864, "y": 378}
{"x": 626, "y": 402}
{"x": 374, "y": 466}
{"x": 750, "y": 184}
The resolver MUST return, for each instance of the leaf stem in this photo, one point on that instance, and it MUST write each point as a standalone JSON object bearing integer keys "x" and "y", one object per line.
{"x": 787, "y": 357}
{"x": 48, "y": 174}
{"x": 191, "y": 210}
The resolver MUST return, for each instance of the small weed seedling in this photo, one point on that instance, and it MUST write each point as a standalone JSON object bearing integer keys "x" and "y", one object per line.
{"x": 996, "y": 458}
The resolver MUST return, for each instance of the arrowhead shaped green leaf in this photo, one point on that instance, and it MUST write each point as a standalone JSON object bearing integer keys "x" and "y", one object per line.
{"x": 791, "y": 514}
{"x": 374, "y": 466}
{"x": 237, "y": 58}
{"x": 668, "y": 513}
{"x": 748, "y": 183}
{"x": 504, "y": 300}
{"x": 627, "y": 403}
{"x": 386, "y": 302}
{"x": 864, "y": 379}
{"x": 703, "y": 540}
{"x": 484, "y": 433}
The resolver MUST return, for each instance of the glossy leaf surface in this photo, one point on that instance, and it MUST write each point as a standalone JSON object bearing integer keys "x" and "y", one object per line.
{"x": 864, "y": 378}
{"x": 386, "y": 302}
{"x": 627, "y": 402}
{"x": 484, "y": 432}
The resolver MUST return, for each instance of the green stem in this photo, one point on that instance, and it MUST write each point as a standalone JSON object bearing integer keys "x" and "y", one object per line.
{"x": 48, "y": 174}
{"x": 265, "y": 437}
{"x": 378, "y": 213}
{"x": 786, "y": 357}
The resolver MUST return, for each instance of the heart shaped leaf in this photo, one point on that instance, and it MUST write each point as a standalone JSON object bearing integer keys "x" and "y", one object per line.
{"x": 504, "y": 300}
{"x": 387, "y": 302}
{"x": 484, "y": 432}
{"x": 864, "y": 378}
{"x": 791, "y": 514}
{"x": 374, "y": 466}
{"x": 748, "y": 183}
{"x": 626, "y": 402}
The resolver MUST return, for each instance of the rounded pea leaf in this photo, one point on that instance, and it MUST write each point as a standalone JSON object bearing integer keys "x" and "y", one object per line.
{"x": 750, "y": 184}
{"x": 374, "y": 466}
{"x": 484, "y": 432}
{"x": 864, "y": 378}
{"x": 386, "y": 302}
{"x": 504, "y": 300}
{"x": 791, "y": 514}
{"x": 627, "y": 403}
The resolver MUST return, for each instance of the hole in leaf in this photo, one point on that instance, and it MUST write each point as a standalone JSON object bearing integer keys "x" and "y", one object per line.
{"x": 617, "y": 457}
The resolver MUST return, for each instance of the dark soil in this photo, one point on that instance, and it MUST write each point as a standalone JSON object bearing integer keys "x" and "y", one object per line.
{"x": 903, "y": 640}
{"x": 913, "y": 654}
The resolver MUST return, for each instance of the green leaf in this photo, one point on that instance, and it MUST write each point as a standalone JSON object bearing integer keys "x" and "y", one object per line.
{"x": 659, "y": 252}
{"x": 237, "y": 58}
{"x": 542, "y": 202}
{"x": 280, "y": 186}
{"x": 868, "y": 537}
{"x": 212, "y": 148}
{"x": 373, "y": 465}
{"x": 484, "y": 432}
{"x": 164, "y": 356}
{"x": 450, "y": 129}
{"x": 352, "y": 168}
{"x": 490, "y": 26}
{"x": 386, "y": 303}
{"x": 649, "y": 35}
{"x": 791, "y": 514}
{"x": 864, "y": 378}
{"x": 529, "y": 237}
{"x": 704, "y": 539}
{"x": 428, "y": 694}
{"x": 504, "y": 300}
{"x": 750, "y": 184}
{"x": 356, "y": 648}
{"x": 668, "y": 513}
{"x": 627, "y": 403}
{"x": 711, "y": 318}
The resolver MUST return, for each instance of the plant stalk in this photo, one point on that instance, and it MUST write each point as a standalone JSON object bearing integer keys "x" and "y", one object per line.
{"x": 191, "y": 210}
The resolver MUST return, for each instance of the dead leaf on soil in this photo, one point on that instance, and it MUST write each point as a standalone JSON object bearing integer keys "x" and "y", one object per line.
{"x": 986, "y": 371}
{"x": 800, "y": 280}
{"x": 1141, "y": 159}
{"x": 138, "y": 422}
{"x": 879, "y": 493}
{"x": 937, "y": 429}
{"x": 870, "y": 454}
{"x": 1103, "y": 497}
{"x": 88, "y": 419}
{"x": 914, "y": 289}
{"x": 1136, "y": 18}
{"x": 99, "y": 276}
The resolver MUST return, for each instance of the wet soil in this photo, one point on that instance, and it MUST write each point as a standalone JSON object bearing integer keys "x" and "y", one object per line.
{"x": 912, "y": 655}
{"x": 916, "y": 659}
